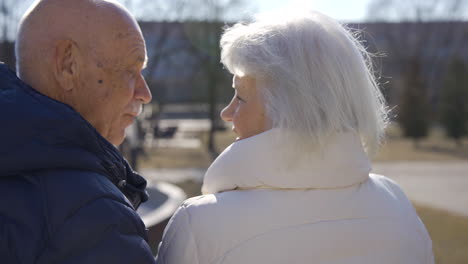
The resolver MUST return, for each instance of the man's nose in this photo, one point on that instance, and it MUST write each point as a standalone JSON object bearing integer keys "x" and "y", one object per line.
{"x": 142, "y": 91}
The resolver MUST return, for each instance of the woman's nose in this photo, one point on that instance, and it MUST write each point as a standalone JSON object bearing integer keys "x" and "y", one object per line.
{"x": 227, "y": 112}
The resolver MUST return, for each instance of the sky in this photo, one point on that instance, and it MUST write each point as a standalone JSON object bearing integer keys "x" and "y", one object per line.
{"x": 343, "y": 10}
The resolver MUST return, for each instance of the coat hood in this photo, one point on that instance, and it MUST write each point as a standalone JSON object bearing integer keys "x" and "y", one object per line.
{"x": 39, "y": 133}
{"x": 262, "y": 161}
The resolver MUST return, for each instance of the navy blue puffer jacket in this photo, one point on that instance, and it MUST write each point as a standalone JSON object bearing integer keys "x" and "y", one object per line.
{"x": 67, "y": 195}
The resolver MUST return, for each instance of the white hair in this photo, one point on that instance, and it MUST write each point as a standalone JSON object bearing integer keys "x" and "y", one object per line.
{"x": 315, "y": 76}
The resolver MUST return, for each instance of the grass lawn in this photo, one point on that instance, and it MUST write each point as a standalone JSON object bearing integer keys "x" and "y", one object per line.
{"x": 449, "y": 233}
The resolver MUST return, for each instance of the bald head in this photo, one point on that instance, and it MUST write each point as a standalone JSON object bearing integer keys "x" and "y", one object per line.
{"x": 88, "y": 54}
{"x": 88, "y": 23}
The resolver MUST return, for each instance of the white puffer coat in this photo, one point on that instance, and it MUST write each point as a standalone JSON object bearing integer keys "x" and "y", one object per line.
{"x": 261, "y": 207}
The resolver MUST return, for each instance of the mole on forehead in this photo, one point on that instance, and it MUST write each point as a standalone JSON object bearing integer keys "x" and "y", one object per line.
{"x": 128, "y": 33}
{"x": 121, "y": 35}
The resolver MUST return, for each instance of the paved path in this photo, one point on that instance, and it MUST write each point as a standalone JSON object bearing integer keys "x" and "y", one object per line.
{"x": 442, "y": 185}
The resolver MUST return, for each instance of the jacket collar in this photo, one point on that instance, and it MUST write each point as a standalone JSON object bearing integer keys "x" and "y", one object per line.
{"x": 261, "y": 162}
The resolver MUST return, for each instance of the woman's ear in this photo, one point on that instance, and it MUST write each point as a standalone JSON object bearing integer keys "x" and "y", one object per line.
{"x": 66, "y": 68}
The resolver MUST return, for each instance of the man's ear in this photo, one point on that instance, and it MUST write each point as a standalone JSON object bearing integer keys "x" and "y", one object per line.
{"x": 67, "y": 58}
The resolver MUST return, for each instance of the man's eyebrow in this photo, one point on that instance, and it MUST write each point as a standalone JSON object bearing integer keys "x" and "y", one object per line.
{"x": 142, "y": 60}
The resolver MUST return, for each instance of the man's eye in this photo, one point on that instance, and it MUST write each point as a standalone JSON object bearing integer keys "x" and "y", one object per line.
{"x": 240, "y": 99}
{"x": 131, "y": 72}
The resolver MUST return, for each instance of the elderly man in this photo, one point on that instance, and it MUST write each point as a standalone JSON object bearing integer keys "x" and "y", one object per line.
{"x": 67, "y": 195}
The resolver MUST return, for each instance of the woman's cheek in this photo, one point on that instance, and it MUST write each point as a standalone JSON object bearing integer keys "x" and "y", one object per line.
{"x": 237, "y": 115}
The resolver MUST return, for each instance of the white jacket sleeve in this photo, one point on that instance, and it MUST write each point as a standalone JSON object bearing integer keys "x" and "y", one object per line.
{"x": 178, "y": 244}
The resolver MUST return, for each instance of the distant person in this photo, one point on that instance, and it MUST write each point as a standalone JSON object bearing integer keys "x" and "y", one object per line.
{"x": 295, "y": 187}
{"x": 68, "y": 196}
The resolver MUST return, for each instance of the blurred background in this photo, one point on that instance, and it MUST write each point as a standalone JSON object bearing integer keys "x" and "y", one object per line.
{"x": 421, "y": 58}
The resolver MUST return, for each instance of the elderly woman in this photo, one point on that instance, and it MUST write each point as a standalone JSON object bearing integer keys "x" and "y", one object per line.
{"x": 295, "y": 187}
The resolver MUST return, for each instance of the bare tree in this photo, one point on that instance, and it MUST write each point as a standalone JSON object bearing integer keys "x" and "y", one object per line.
{"x": 162, "y": 45}
{"x": 454, "y": 104}
{"x": 419, "y": 25}
{"x": 186, "y": 10}
{"x": 213, "y": 12}
{"x": 424, "y": 24}
{"x": 428, "y": 32}
{"x": 413, "y": 109}
{"x": 11, "y": 12}
{"x": 10, "y": 15}
{"x": 417, "y": 10}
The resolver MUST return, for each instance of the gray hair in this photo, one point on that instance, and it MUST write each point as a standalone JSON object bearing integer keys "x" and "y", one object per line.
{"x": 315, "y": 77}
